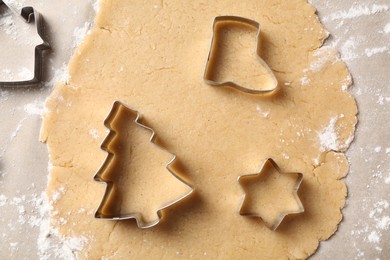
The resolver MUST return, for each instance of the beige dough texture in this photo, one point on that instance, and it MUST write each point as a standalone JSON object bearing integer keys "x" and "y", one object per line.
{"x": 150, "y": 55}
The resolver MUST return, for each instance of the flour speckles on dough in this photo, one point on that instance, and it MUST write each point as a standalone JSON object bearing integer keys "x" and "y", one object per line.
{"x": 328, "y": 137}
{"x": 61, "y": 75}
{"x": 76, "y": 243}
{"x": 264, "y": 113}
{"x": 346, "y": 83}
{"x": 305, "y": 81}
{"x": 57, "y": 194}
{"x": 322, "y": 57}
{"x": 94, "y": 133}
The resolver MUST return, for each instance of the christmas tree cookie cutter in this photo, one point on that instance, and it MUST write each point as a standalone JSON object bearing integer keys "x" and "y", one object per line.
{"x": 100, "y": 213}
{"x": 282, "y": 215}
{"x": 29, "y": 15}
{"x": 208, "y": 77}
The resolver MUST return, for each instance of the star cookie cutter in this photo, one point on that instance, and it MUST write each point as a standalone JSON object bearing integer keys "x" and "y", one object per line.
{"x": 100, "y": 214}
{"x": 29, "y": 15}
{"x": 207, "y": 76}
{"x": 282, "y": 215}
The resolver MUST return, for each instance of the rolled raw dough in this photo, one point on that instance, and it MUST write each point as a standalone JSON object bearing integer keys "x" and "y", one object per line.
{"x": 150, "y": 55}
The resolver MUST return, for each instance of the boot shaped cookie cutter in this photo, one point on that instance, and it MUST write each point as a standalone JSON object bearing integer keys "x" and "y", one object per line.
{"x": 29, "y": 15}
{"x": 282, "y": 215}
{"x": 207, "y": 76}
{"x": 100, "y": 214}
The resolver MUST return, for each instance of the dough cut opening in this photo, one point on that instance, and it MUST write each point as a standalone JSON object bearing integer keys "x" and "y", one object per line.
{"x": 141, "y": 183}
{"x": 269, "y": 195}
{"x": 235, "y": 58}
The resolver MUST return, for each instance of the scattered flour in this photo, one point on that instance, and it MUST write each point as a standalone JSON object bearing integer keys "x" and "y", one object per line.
{"x": 382, "y": 99}
{"x": 57, "y": 194}
{"x": 35, "y": 108}
{"x": 346, "y": 83}
{"x": 386, "y": 29}
{"x": 3, "y": 200}
{"x": 304, "y": 80}
{"x": 372, "y": 51}
{"x": 49, "y": 243}
{"x": 371, "y": 230}
{"x": 286, "y": 156}
{"x": 94, "y": 133}
{"x": 96, "y": 6}
{"x": 357, "y": 11}
{"x": 76, "y": 243}
{"x": 322, "y": 56}
{"x": 379, "y": 208}
{"x": 265, "y": 114}
{"x": 373, "y": 237}
{"x": 16, "y": 131}
{"x": 25, "y": 74}
{"x": 61, "y": 75}
{"x": 49, "y": 240}
{"x": 387, "y": 180}
{"x": 383, "y": 223}
{"x": 348, "y": 49}
{"x": 20, "y": 74}
{"x": 328, "y": 136}
{"x": 79, "y": 33}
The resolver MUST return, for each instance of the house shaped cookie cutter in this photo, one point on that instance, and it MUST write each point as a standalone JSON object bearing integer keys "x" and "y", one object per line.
{"x": 29, "y": 15}
{"x": 100, "y": 213}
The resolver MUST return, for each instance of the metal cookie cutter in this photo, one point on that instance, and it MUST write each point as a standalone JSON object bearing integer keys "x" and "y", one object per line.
{"x": 207, "y": 76}
{"x": 282, "y": 215}
{"x": 100, "y": 214}
{"x": 29, "y": 15}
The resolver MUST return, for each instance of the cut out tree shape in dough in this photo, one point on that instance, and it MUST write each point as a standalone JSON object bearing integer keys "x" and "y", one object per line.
{"x": 271, "y": 194}
{"x": 139, "y": 178}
